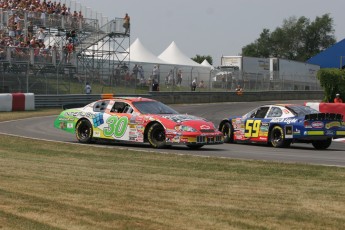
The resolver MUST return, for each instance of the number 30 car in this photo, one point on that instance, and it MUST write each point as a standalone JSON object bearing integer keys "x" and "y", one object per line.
{"x": 137, "y": 120}
{"x": 281, "y": 125}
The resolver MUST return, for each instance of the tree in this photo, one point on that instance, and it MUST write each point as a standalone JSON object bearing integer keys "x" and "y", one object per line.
{"x": 199, "y": 59}
{"x": 297, "y": 39}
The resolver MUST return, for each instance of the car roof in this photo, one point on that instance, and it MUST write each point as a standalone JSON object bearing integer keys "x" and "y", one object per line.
{"x": 131, "y": 99}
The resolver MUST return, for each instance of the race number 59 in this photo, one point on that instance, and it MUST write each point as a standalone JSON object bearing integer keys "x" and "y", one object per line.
{"x": 252, "y": 128}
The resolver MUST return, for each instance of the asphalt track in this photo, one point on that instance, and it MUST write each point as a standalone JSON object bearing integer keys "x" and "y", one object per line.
{"x": 42, "y": 128}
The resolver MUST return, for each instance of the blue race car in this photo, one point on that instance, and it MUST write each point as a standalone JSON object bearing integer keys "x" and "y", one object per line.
{"x": 281, "y": 125}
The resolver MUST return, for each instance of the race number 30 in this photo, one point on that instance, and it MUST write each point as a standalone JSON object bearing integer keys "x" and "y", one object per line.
{"x": 117, "y": 127}
{"x": 252, "y": 128}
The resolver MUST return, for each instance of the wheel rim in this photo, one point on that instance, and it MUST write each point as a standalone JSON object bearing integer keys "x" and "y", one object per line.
{"x": 226, "y": 131}
{"x": 277, "y": 137}
{"x": 158, "y": 135}
{"x": 83, "y": 131}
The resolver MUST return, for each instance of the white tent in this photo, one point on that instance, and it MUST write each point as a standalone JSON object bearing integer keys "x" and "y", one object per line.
{"x": 175, "y": 56}
{"x": 205, "y": 63}
{"x": 139, "y": 53}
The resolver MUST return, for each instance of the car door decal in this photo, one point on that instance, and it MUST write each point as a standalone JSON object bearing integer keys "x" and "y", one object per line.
{"x": 252, "y": 128}
{"x": 116, "y": 126}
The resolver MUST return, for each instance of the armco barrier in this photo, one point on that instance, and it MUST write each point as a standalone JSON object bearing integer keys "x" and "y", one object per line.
{"x": 328, "y": 107}
{"x": 182, "y": 97}
{"x": 17, "y": 102}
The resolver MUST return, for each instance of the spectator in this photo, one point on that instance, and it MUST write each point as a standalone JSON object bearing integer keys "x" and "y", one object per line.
{"x": 201, "y": 84}
{"x": 40, "y": 35}
{"x": 179, "y": 78}
{"x": 88, "y": 88}
{"x": 126, "y": 23}
{"x": 194, "y": 84}
{"x": 155, "y": 85}
{"x": 239, "y": 90}
{"x": 135, "y": 71}
{"x": 155, "y": 74}
{"x": 169, "y": 78}
{"x": 337, "y": 99}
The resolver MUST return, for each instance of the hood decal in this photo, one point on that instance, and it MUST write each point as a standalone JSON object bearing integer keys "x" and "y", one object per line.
{"x": 181, "y": 117}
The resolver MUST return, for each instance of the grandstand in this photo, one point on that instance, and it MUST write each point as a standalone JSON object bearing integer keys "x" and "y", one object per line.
{"x": 51, "y": 47}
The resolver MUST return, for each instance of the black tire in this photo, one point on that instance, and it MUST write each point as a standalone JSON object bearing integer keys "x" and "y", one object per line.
{"x": 84, "y": 131}
{"x": 194, "y": 147}
{"x": 277, "y": 138}
{"x": 324, "y": 144}
{"x": 228, "y": 132}
{"x": 156, "y": 135}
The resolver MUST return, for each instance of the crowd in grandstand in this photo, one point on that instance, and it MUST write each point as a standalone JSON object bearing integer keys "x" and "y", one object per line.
{"x": 26, "y": 24}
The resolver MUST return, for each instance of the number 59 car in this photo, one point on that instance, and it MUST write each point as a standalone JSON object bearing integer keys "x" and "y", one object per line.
{"x": 136, "y": 119}
{"x": 282, "y": 125}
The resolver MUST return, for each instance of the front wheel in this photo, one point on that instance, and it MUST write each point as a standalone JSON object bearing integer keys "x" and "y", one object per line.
{"x": 277, "y": 138}
{"x": 156, "y": 135}
{"x": 324, "y": 144}
{"x": 228, "y": 132}
{"x": 84, "y": 131}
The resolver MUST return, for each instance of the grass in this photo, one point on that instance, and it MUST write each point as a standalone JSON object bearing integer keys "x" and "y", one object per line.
{"x": 46, "y": 185}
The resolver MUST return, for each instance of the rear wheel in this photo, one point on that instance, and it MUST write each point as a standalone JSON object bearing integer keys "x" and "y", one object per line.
{"x": 156, "y": 135}
{"x": 84, "y": 131}
{"x": 228, "y": 132}
{"x": 324, "y": 144}
{"x": 277, "y": 138}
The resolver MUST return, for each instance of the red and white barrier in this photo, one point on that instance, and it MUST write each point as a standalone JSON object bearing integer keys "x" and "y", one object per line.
{"x": 17, "y": 101}
{"x": 328, "y": 107}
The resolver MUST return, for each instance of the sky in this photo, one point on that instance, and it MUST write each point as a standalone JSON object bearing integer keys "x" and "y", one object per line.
{"x": 209, "y": 27}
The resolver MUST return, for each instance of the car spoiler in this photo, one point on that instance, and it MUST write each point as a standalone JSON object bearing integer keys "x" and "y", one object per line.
{"x": 324, "y": 116}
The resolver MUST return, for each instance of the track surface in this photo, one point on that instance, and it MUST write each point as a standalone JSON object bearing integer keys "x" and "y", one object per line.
{"x": 42, "y": 128}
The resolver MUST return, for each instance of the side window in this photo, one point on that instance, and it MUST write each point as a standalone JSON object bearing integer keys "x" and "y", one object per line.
{"x": 121, "y": 107}
{"x": 261, "y": 113}
{"x": 275, "y": 112}
{"x": 100, "y": 106}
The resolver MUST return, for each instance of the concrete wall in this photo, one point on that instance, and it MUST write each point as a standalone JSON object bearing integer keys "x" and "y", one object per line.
{"x": 184, "y": 97}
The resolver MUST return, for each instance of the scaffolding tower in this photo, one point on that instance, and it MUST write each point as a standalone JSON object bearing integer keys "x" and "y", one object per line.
{"x": 98, "y": 48}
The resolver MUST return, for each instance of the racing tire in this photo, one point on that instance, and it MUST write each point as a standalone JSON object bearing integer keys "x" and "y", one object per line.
{"x": 228, "y": 132}
{"x": 324, "y": 144}
{"x": 194, "y": 147}
{"x": 156, "y": 136}
{"x": 84, "y": 131}
{"x": 277, "y": 138}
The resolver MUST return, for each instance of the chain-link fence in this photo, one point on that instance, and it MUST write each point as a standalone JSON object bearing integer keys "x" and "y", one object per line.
{"x": 45, "y": 77}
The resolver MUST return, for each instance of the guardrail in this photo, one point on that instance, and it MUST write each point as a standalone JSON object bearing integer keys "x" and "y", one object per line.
{"x": 181, "y": 97}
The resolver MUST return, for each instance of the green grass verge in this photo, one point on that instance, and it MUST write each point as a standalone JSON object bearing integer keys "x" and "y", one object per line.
{"x": 46, "y": 185}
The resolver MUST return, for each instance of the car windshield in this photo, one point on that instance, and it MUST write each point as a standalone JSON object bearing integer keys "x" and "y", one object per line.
{"x": 301, "y": 111}
{"x": 153, "y": 107}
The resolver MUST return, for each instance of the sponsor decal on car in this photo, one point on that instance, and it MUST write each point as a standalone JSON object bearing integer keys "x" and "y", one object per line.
{"x": 317, "y": 124}
{"x": 285, "y": 120}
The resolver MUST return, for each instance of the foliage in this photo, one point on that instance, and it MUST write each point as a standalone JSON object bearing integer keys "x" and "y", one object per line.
{"x": 333, "y": 82}
{"x": 297, "y": 39}
{"x": 200, "y": 58}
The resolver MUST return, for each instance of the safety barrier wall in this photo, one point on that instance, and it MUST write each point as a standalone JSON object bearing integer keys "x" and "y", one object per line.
{"x": 181, "y": 97}
{"x": 328, "y": 107}
{"x": 17, "y": 101}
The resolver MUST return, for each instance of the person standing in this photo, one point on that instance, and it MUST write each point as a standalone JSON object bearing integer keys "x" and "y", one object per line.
{"x": 179, "y": 78}
{"x": 126, "y": 23}
{"x": 88, "y": 88}
{"x": 194, "y": 84}
{"x": 337, "y": 99}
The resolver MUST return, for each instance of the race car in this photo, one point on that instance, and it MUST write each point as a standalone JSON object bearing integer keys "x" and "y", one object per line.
{"x": 280, "y": 125}
{"x": 137, "y": 119}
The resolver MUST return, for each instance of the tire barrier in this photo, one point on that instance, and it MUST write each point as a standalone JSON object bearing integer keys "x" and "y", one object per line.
{"x": 17, "y": 102}
{"x": 328, "y": 107}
